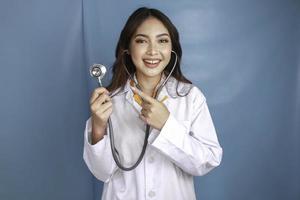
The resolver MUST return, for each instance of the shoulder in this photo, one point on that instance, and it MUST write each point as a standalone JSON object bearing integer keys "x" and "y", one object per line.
{"x": 178, "y": 89}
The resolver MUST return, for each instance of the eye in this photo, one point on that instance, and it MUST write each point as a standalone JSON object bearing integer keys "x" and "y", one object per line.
{"x": 164, "y": 40}
{"x": 140, "y": 41}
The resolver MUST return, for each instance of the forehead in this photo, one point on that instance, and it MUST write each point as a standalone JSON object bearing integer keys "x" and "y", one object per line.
{"x": 152, "y": 26}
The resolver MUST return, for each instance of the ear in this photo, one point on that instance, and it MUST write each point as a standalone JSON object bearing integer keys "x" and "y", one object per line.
{"x": 126, "y": 51}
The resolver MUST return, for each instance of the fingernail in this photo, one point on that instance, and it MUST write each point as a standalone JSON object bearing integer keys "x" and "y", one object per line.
{"x": 132, "y": 87}
{"x": 134, "y": 90}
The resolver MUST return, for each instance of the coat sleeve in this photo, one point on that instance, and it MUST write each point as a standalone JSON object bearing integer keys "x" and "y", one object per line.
{"x": 98, "y": 157}
{"x": 192, "y": 145}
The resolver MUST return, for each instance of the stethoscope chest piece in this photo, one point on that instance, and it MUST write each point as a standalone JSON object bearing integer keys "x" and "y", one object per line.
{"x": 98, "y": 71}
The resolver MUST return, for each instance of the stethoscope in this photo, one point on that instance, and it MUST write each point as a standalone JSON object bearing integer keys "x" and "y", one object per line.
{"x": 98, "y": 71}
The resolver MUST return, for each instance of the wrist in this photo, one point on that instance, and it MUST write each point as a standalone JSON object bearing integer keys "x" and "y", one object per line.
{"x": 98, "y": 133}
{"x": 164, "y": 121}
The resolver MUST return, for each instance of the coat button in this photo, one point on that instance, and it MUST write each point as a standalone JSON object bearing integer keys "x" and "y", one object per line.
{"x": 151, "y": 193}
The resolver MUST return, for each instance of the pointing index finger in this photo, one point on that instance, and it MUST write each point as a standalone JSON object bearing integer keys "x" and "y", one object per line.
{"x": 144, "y": 96}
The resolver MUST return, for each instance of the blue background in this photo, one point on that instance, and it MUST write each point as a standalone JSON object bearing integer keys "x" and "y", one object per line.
{"x": 244, "y": 55}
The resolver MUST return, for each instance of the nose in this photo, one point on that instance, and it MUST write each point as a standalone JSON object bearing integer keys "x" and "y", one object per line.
{"x": 152, "y": 49}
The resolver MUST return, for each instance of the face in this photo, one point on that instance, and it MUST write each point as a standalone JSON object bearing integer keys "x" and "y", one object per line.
{"x": 150, "y": 48}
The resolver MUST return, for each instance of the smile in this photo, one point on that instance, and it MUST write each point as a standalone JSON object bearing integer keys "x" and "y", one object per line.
{"x": 148, "y": 61}
{"x": 151, "y": 63}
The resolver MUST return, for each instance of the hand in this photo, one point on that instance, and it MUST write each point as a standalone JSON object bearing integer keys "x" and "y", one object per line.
{"x": 153, "y": 111}
{"x": 101, "y": 109}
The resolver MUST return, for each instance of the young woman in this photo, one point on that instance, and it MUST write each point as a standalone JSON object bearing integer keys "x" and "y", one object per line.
{"x": 148, "y": 88}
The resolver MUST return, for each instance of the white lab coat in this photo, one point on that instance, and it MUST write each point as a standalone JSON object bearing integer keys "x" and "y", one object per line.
{"x": 186, "y": 146}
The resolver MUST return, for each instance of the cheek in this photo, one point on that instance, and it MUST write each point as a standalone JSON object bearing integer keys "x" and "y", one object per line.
{"x": 167, "y": 53}
{"x": 135, "y": 57}
{"x": 134, "y": 53}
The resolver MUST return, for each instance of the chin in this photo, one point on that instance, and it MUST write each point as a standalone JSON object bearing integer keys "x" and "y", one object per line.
{"x": 152, "y": 72}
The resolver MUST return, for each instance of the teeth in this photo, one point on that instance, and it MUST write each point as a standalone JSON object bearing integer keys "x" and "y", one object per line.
{"x": 152, "y": 61}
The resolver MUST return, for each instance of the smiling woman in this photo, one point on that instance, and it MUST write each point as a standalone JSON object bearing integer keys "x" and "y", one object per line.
{"x": 148, "y": 91}
{"x": 150, "y": 50}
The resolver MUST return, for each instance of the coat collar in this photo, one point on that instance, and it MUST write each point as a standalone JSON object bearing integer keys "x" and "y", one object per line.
{"x": 171, "y": 89}
{"x": 129, "y": 95}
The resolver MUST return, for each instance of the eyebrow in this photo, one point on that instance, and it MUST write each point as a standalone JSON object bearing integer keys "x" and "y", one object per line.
{"x": 159, "y": 35}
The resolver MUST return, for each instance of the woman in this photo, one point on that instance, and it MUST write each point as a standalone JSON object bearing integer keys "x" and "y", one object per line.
{"x": 149, "y": 88}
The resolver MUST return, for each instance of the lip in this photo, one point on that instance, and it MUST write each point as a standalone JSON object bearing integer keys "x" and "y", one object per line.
{"x": 151, "y": 63}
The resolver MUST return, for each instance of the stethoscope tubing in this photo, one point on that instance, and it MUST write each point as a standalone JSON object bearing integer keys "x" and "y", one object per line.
{"x": 147, "y": 131}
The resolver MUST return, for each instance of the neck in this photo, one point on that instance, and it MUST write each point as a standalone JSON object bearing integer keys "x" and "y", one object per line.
{"x": 148, "y": 84}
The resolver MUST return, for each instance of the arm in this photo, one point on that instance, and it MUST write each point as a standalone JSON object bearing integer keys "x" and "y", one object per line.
{"x": 191, "y": 145}
{"x": 98, "y": 157}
